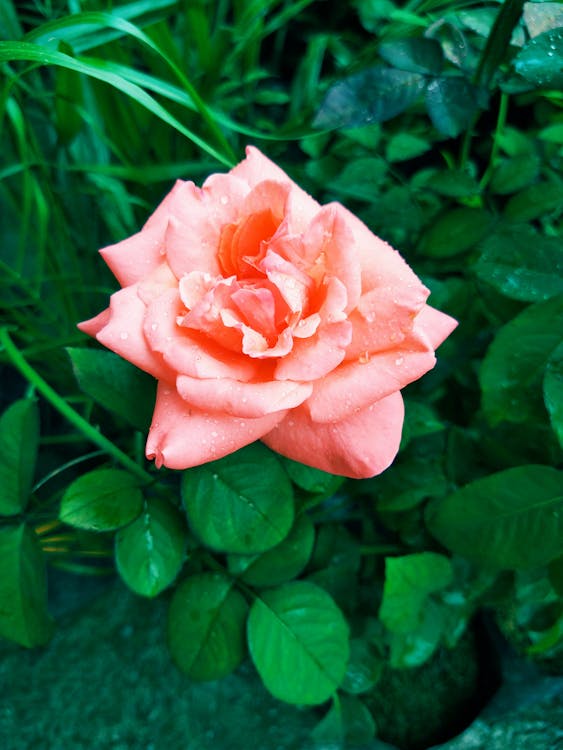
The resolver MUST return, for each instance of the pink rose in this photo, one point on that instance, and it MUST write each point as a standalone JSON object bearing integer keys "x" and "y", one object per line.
{"x": 265, "y": 315}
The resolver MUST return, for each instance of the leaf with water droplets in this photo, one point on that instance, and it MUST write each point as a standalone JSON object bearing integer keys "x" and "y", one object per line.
{"x": 242, "y": 503}
{"x": 512, "y": 370}
{"x": 149, "y": 552}
{"x": 521, "y": 263}
{"x": 373, "y": 95}
{"x": 451, "y": 104}
{"x": 509, "y": 520}
{"x": 540, "y": 60}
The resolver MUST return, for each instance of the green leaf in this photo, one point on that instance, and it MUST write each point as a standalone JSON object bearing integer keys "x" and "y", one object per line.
{"x": 453, "y": 183}
{"x": 513, "y": 174}
{"x": 451, "y": 104}
{"x": 298, "y": 640}
{"x": 373, "y": 95}
{"x": 552, "y": 133}
{"x": 149, "y": 553}
{"x": 19, "y": 441}
{"x": 535, "y": 201}
{"x": 521, "y": 263}
{"x": 540, "y": 17}
{"x": 409, "y": 580}
{"x": 102, "y": 500}
{"x": 23, "y": 588}
{"x": 553, "y": 391}
{"x": 360, "y": 179}
{"x": 539, "y": 61}
{"x": 206, "y": 626}
{"x": 415, "y": 54}
{"x": 455, "y": 232}
{"x": 348, "y": 723}
{"x": 498, "y": 41}
{"x": 509, "y": 520}
{"x": 242, "y": 503}
{"x": 365, "y": 667}
{"x": 281, "y": 563}
{"x": 68, "y": 93}
{"x": 405, "y": 146}
{"x": 310, "y": 479}
{"x": 115, "y": 384}
{"x": 415, "y": 647}
{"x": 512, "y": 370}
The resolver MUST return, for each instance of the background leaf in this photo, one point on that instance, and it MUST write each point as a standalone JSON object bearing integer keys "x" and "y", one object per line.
{"x": 149, "y": 552}
{"x": 507, "y": 263}
{"x": 512, "y": 519}
{"x": 242, "y": 503}
{"x": 512, "y": 370}
{"x": 19, "y": 441}
{"x": 409, "y": 580}
{"x": 102, "y": 500}
{"x": 206, "y": 624}
{"x": 539, "y": 61}
{"x": 115, "y": 384}
{"x": 281, "y": 563}
{"x": 451, "y": 104}
{"x": 553, "y": 391}
{"x": 23, "y": 588}
{"x": 373, "y": 95}
{"x": 298, "y": 640}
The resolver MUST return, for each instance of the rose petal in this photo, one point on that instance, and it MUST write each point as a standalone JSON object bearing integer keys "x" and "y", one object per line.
{"x": 137, "y": 256}
{"x": 329, "y": 243}
{"x": 317, "y": 356}
{"x": 123, "y": 333}
{"x": 188, "y": 352}
{"x": 196, "y": 219}
{"x": 93, "y": 326}
{"x": 359, "y": 446}
{"x": 157, "y": 282}
{"x": 356, "y": 385}
{"x": 256, "y": 168}
{"x": 242, "y": 399}
{"x": 182, "y": 436}
{"x": 434, "y": 326}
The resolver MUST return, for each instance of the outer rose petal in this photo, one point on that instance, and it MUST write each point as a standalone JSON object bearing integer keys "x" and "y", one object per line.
{"x": 315, "y": 357}
{"x": 359, "y": 446}
{"x": 122, "y": 331}
{"x": 356, "y": 385}
{"x": 434, "y": 326}
{"x": 137, "y": 256}
{"x": 238, "y": 399}
{"x": 182, "y": 436}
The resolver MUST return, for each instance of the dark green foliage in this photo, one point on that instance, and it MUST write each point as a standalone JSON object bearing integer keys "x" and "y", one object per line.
{"x": 440, "y": 125}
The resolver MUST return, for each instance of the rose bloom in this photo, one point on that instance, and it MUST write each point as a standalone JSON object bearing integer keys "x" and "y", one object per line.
{"x": 264, "y": 315}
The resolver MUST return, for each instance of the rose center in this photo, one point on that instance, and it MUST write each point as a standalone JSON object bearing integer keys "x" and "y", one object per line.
{"x": 243, "y": 245}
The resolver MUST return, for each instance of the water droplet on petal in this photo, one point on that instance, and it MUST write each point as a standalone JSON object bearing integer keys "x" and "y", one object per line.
{"x": 364, "y": 357}
{"x": 224, "y": 199}
{"x": 154, "y": 326}
{"x": 123, "y": 335}
{"x": 399, "y": 361}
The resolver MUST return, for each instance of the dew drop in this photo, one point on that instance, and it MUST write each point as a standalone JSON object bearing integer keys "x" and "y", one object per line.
{"x": 123, "y": 335}
{"x": 154, "y": 326}
{"x": 363, "y": 359}
{"x": 224, "y": 199}
{"x": 399, "y": 361}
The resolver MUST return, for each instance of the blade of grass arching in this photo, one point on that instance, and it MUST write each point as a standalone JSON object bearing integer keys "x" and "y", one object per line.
{"x": 149, "y": 173}
{"x": 48, "y": 34}
{"x": 175, "y": 94}
{"x": 281, "y": 19}
{"x": 498, "y": 40}
{"x": 84, "y": 39}
{"x": 11, "y": 51}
